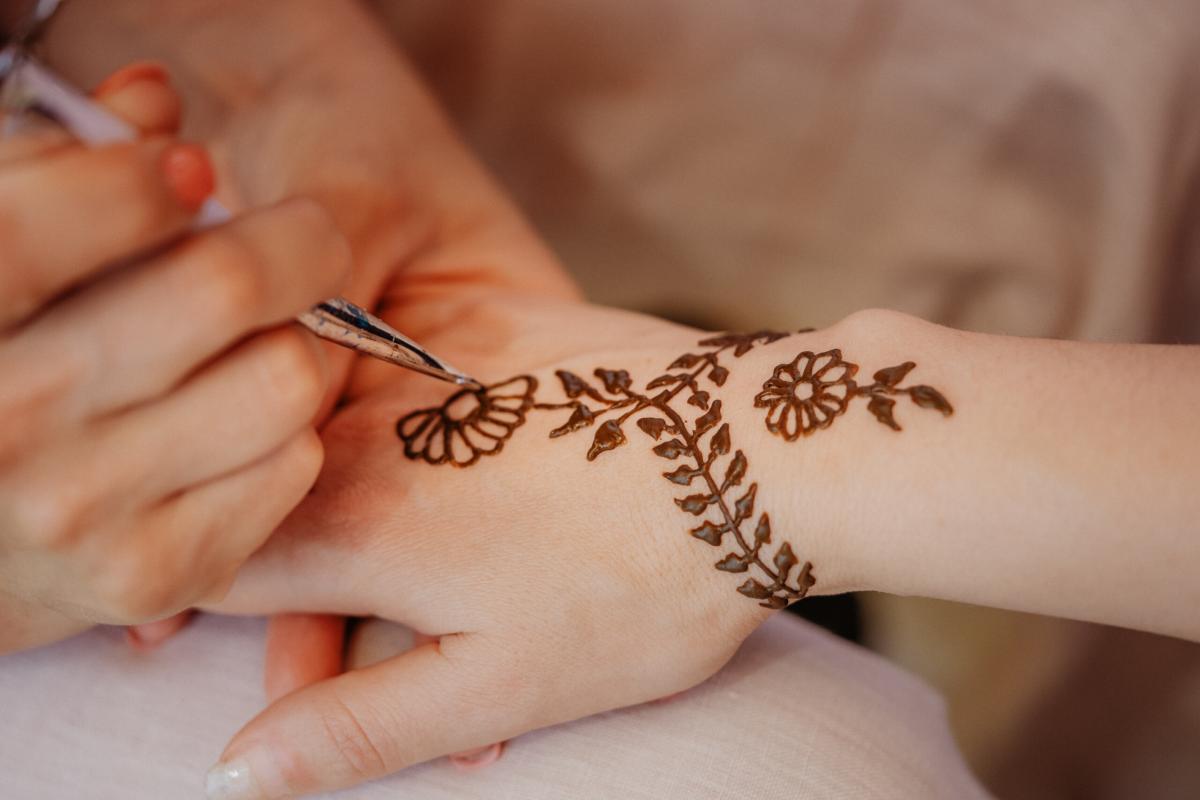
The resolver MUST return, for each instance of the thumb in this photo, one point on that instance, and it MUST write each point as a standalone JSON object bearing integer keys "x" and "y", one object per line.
{"x": 436, "y": 699}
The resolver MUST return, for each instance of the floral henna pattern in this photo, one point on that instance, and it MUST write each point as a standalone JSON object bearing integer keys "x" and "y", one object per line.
{"x": 802, "y": 395}
{"x": 471, "y": 423}
{"x": 813, "y": 389}
{"x": 807, "y": 393}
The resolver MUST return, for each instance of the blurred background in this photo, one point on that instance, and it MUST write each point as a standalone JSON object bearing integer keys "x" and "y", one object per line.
{"x": 1009, "y": 166}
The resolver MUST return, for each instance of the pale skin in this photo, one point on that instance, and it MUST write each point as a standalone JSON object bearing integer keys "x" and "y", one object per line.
{"x": 560, "y": 587}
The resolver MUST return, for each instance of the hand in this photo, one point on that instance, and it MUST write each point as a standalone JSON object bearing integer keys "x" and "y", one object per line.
{"x": 161, "y": 423}
{"x": 557, "y": 586}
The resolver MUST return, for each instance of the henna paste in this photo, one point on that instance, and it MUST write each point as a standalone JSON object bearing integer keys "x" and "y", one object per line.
{"x": 471, "y": 423}
{"x": 805, "y": 394}
{"x": 812, "y": 390}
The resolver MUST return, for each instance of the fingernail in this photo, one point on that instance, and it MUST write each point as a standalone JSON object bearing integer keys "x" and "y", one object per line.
{"x": 232, "y": 781}
{"x": 137, "y": 71}
{"x": 189, "y": 173}
{"x": 472, "y": 760}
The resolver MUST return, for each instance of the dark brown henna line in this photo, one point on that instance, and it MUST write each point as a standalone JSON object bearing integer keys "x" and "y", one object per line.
{"x": 779, "y": 390}
{"x": 704, "y": 467}
{"x": 609, "y": 435}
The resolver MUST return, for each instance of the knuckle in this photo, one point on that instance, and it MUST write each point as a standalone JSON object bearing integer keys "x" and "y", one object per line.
{"x": 147, "y": 209}
{"x": 131, "y": 588}
{"x": 231, "y": 273}
{"x": 47, "y": 516}
{"x": 357, "y": 741}
{"x": 305, "y": 458}
{"x": 294, "y": 372}
{"x": 319, "y": 241}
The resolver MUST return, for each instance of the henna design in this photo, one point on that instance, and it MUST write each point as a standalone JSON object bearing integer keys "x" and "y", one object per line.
{"x": 471, "y": 423}
{"x": 803, "y": 395}
{"x": 812, "y": 390}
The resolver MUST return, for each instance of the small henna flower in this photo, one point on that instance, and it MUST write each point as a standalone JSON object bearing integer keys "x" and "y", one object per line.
{"x": 471, "y": 423}
{"x": 806, "y": 394}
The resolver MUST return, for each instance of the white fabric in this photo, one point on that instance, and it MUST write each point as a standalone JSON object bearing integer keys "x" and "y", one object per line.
{"x": 796, "y": 714}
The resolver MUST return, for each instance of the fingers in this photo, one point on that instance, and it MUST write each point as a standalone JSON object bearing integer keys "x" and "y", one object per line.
{"x": 301, "y": 650}
{"x": 425, "y": 703}
{"x": 67, "y": 215}
{"x": 214, "y": 528}
{"x": 228, "y": 416}
{"x": 141, "y": 94}
{"x": 149, "y": 326}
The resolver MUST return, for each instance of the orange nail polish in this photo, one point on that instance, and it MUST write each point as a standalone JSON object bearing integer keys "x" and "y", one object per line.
{"x": 132, "y": 73}
{"x": 189, "y": 173}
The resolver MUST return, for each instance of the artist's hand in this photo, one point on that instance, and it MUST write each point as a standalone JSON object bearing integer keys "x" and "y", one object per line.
{"x": 157, "y": 409}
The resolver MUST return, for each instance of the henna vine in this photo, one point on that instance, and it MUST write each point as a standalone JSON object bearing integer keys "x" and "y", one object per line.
{"x": 805, "y": 394}
{"x": 812, "y": 390}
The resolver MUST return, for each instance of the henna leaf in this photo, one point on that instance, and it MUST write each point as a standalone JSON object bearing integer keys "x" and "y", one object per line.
{"x": 744, "y": 507}
{"x": 695, "y": 503}
{"x": 891, "y": 376}
{"x": 785, "y": 559}
{"x": 732, "y": 563}
{"x": 768, "y": 337}
{"x": 752, "y": 588}
{"x": 929, "y": 397}
{"x": 664, "y": 380}
{"x": 709, "y": 419}
{"x": 581, "y": 417}
{"x": 652, "y": 426}
{"x": 805, "y": 580}
{"x": 775, "y": 601}
{"x": 686, "y": 361}
{"x": 721, "y": 340}
{"x": 661, "y": 399}
{"x": 671, "y": 449}
{"x": 615, "y": 380}
{"x": 736, "y": 470}
{"x": 608, "y": 436}
{"x": 710, "y": 532}
{"x": 762, "y": 534}
{"x": 881, "y": 406}
{"x": 699, "y": 399}
{"x": 683, "y": 476}
{"x": 718, "y": 445}
{"x": 718, "y": 375}
{"x": 573, "y": 385}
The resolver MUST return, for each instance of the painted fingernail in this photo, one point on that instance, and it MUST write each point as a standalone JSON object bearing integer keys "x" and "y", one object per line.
{"x": 137, "y": 71}
{"x": 471, "y": 760}
{"x": 232, "y": 781}
{"x": 189, "y": 173}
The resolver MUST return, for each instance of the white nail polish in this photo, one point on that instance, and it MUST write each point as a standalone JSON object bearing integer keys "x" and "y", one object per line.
{"x": 231, "y": 781}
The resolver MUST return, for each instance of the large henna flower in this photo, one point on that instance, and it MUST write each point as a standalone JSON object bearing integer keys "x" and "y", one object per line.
{"x": 806, "y": 394}
{"x": 471, "y": 423}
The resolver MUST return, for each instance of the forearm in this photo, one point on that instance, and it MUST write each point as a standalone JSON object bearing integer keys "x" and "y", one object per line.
{"x": 1064, "y": 483}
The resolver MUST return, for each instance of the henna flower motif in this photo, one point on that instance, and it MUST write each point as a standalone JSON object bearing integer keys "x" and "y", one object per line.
{"x": 471, "y": 423}
{"x": 806, "y": 394}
